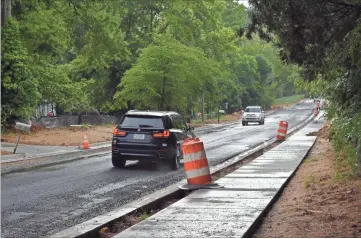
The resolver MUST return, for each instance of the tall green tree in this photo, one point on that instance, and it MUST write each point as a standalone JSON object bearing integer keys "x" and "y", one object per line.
{"x": 306, "y": 30}
{"x": 166, "y": 74}
{"x": 19, "y": 89}
{"x": 82, "y": 54}
{"x": 323, "y": 37}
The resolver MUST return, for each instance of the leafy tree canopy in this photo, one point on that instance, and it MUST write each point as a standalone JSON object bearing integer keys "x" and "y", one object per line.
{"x": 307, "y": 31}
{"x": 121, "y": 54}
{"x": 323, "y": 37}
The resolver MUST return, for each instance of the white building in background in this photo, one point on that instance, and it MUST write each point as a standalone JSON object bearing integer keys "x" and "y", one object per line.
{"x": 244, "y": 2}
{"x": 44, "y": 108}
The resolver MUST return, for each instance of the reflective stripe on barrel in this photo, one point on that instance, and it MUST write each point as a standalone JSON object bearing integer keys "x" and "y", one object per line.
{"x": 194, "y": 156}
{"x": 196, "y": 163}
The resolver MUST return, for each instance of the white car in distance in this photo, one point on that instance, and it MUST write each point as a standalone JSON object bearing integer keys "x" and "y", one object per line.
{"x": 253, "y": 114}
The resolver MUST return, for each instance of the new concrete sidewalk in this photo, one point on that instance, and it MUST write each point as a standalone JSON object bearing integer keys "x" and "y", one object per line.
{"x": 31, "y": 150}
{"x": 234, "y": 210}
{"x": 16, "y": 162}
{"x": 37, "y": 151}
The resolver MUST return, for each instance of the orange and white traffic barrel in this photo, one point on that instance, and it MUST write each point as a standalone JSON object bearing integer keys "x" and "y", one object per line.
{"x": 282, "y": 131}
{"x": 196, "y": 163}
{"x": 190, "y": 140}
{"x": 315, "y": 112}
{"x": 196, "y": 166}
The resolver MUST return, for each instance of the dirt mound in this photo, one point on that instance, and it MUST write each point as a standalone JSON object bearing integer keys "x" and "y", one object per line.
{"x": 3, "y": 152}
{"x": 322, "y": 133}
{"x": 62, "y": 136}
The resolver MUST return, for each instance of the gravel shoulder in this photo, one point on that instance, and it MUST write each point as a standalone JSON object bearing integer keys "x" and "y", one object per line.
{"x": 317, "y": 202}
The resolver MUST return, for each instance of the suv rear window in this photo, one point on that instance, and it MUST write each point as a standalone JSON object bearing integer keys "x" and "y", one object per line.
{"x": 145, "y": 122}
{"x": 257, "y": 110}
{"x": 178, "y": 122}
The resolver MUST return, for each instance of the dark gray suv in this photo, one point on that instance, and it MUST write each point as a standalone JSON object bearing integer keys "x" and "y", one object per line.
{"x": 150, "y": 136}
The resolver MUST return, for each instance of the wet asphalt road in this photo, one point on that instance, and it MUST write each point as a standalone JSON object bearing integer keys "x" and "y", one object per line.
{"x": 46, "y": 200}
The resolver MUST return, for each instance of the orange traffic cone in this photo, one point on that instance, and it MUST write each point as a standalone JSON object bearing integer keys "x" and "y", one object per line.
{"x": 85, "y": 142}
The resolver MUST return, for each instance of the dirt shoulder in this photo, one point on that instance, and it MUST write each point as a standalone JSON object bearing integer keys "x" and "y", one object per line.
{"x": 3, "y": 152}
{"x": 224, "y": 119}
{"x": 74, "y": 136}
{"x": 62, "y": 136}
{"x": 316, "y": 203}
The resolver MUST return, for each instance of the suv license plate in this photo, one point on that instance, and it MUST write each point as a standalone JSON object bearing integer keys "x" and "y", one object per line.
{"x": 139, "y": 136}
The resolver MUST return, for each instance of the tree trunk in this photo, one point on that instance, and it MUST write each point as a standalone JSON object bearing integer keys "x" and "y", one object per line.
{"x": 151, "y": 23}
{"x": 203, "y": 107}
{"x": 5, "y": 11}
{"x": 162, "y": 99}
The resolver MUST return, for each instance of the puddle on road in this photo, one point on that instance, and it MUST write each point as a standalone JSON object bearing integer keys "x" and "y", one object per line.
{"x": 18, "y": 215}
{"x": 49, "y": 169}
{"x": 84, "y": 208}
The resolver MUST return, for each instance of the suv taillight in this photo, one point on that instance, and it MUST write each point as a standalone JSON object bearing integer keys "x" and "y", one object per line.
{"x": 165, "y": 134}
{"x": 118, "y": 132}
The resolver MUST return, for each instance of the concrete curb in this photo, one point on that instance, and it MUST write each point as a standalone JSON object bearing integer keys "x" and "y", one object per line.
{"x": 94, "y": 224}
{"x": 82, "y": 229}
{"x": 12, "y": 156}
{"x": 25, "y": 156}
{"x": 97, "y": 144}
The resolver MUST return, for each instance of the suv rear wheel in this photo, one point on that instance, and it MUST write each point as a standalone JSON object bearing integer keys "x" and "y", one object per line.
{"x": 174, "y": 160}
{"x": 118, "y": 161}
